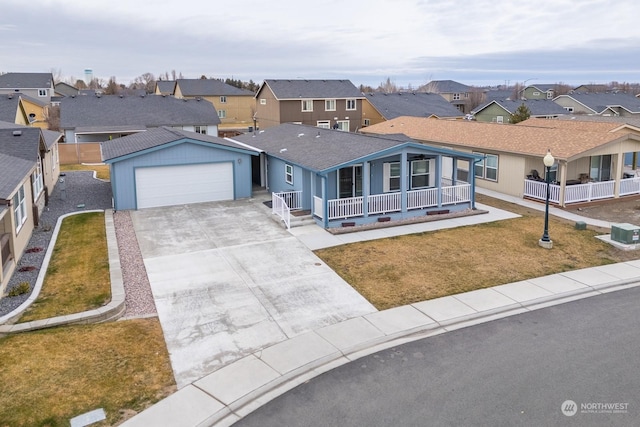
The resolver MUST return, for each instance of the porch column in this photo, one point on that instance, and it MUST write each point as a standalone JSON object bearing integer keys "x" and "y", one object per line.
{"x": 562, "y": 166}
{"x": 619, "y": 171}
{"x": 454, "y": 172}
{"x": 403, "y": 182}
{"x": 325, "y": 203}
{"x": 439, "y": 179}
{"x": 312, "y": 191}
{"x": 366, "y": 177}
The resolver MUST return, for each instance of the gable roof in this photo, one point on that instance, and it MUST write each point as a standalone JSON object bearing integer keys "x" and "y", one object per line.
{"x": 209, "y": 87}
{"x": 323, "y": 150}
{"x": 18, "y": 155}
{"x": 505, "y": 94}
{"x": 447, "y": 86}
{"x": 107, "y": 111}
{"x": 537, "y": 107}
{"x": 65, "y": 89}
{"x": 166, "y": 86}
{"x": 599, "y": 102}
{"x": 542, "y": 87}
{"x": 158, "y": 137}
{"x": 418, "y": 104}
{"x": 311, "y": 89}
{"x": 9, "y": 105}
{"x": 526, "y": 138}
{"x": 26, "y": 80}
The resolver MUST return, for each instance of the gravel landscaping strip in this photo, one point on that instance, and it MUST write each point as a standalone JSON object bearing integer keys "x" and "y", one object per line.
{"x": 83, "y": 192}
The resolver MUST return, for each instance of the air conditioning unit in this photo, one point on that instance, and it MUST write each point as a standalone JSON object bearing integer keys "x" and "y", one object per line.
{"x": 625, "y": 233}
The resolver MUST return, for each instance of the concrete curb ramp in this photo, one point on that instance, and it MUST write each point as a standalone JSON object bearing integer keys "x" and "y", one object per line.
{"x": 111, "y": 311}
{"x": 232, "y": 392}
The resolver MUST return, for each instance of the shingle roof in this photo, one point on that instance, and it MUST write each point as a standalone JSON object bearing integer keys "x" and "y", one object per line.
{"x": 599, "y": 102}
{"x": 9, "y": 107}
{"x": 312, "y": 89}
{"x": 154, "y": 138}
{"x": 147, "y": 111}
{"x": 542, "y": 87}
{"x": 537, "y": 107}
{"x": 529, "y": 137}
{"x": 25, "y": 80}
{"x": 447, "y": 86}
{"x": 490, "y": 95}
{"x": 209, "y": 87}
{"x": 166, "y": 86}
{"x": 418, "y": 104}
{"x": 18, "y": 155}
{"x": 318, "y": 149}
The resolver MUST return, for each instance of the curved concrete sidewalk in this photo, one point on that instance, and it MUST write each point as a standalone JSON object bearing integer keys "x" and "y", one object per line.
{"x": 230, "y": 393}
{"x": 110, "y": 311}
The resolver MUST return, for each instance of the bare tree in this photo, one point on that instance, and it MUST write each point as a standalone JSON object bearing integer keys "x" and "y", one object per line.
{"x": 387, "y": 86}
{"x": 52, "y": 117}
{"x": 112, "y": 87}
{"x": 517, "y": 92}
{"x": 476, "y": 98}
{"x": 80, "y": 84}
{"x": 561, "y": 88}
{"x": 96, "y": 83}
{"x": 57, "y": 75}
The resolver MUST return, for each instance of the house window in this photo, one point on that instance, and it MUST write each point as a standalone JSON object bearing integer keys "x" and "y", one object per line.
{"x": 223, "y": 99}
{"x": 324, "y": 124}
{"x": 222, "y": 114}
{"x": 499, "y": 119}
{"x": 536, "y": 93}
{"x": 550, "y": 94}
{"x": 569, "y": 109}
{"x": 42, "y": 92}
{"x": 288, "y": 174}
{"x": 36, "y": 179}
{"x": 202, "y": 129}
{"x": 307, "y": 105}
{"x": 329, "y": 105}
{"x": 351, "y": 104}
{"x": 456, "y": 97}
{"x": 391, "y": 176}
{"x": 263, "y": 101}
{"x": 342, "y": 125}
{"x": 366, "y": 122}
{"x": 19, "y": 208}
{"x": 420, "y": 174}
{"x": 488, "y": 167}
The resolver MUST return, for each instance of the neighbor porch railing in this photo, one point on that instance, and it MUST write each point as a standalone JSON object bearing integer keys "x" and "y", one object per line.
{"x": 293, "y": 199}
{"x": 581, "y": 192}
{"x": 392, "y": 202}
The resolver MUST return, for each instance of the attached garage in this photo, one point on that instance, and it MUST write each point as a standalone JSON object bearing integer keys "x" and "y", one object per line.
{"x": 183, "y": 184}
{"x": 166, "y": 167}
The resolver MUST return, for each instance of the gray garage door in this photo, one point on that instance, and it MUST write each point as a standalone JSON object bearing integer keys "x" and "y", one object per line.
{"x": 183, "y": 184}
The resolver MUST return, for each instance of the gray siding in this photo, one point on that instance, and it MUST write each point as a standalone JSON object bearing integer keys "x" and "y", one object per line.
{"x": 123, "y": 172}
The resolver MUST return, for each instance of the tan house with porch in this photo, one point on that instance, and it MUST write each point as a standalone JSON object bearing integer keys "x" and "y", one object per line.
{"x": 589, "y": 155}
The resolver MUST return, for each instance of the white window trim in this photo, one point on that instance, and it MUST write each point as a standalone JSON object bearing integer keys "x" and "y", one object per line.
{"x": 329, "y": 105}
{"x": 288, "y": 174}
{"x": 484, "y": 166}
{"x": 354, "y": 103}
{"x": 366, "y": 122}
{"x": 223, "y": 99}
{"x": 37, "y": 180}
{"x": 306, "y": 103}
{"x": 456, "y": 97}
{"x": 430, "y": 166}
{"x": 20, "y": 208}
{"x": 222, "y": 114}
{"x": 324, "y": 124}
{"x": 263, "y": 101}
{"x": 200, "y": 129}
{"x": 341, "y": 125}
{"x": 42, "y": 93}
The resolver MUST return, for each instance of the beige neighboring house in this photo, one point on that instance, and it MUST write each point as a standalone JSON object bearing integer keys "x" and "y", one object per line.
{"x": 589, "y": 156}
{"x": 235, "y": 106}
{"x": 29, "y": 170}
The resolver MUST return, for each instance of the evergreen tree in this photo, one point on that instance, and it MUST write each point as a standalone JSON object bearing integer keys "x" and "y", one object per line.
{"x": 522, "y": 113}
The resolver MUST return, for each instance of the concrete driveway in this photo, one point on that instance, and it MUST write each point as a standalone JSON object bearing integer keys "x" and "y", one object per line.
{"x": 228, "y": 280}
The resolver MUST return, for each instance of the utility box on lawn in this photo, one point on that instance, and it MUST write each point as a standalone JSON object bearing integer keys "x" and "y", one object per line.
{"x": 625, "y": 233}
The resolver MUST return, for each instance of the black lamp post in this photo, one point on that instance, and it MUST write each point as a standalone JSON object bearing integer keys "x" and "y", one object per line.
{"x": 545, "y": 241}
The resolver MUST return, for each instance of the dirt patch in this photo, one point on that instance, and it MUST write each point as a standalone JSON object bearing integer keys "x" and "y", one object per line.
{"x": 624, "y": 210}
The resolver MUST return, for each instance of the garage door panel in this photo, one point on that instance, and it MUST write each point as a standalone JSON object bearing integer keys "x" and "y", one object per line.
{"x": 183, "y": 184}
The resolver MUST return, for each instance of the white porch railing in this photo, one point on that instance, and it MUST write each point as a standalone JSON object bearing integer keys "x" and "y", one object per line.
{"x": 293, "y": 199}
{"x": 629, "y": 186}
{"x": 538, "y": 190}
{"x": 418, "y": 199}
{"x": 589, "y": 191}
{"x": 456, "y": 194}
{"x": 279, "y": 207}
{"x": 384, "y": 203}
{"x": 318, "y": 208}
{"x": 345, "y": 208}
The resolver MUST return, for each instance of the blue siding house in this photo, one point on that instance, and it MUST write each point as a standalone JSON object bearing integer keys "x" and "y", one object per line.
{"x": 166, "y": 166}
{"x": 354, "y": 179}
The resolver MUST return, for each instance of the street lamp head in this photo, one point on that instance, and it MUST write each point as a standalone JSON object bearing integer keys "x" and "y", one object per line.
{"x": 548, "y": 159}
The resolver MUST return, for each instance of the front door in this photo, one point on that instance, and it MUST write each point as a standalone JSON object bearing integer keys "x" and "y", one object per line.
{"x": 350, "y": 182}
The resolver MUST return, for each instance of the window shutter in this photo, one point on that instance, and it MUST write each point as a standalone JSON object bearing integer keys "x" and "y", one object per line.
{"x": 432, "y": 172}
{"x": 386, "y": 175}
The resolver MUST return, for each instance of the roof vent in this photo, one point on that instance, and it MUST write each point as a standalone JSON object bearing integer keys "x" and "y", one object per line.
{"x": 17, "y": 132}
{"x": 283, "y": 150}
{"x": 142, "y": 95}
{"x": 300, "y": 134}
{"x": 121, "y": 96}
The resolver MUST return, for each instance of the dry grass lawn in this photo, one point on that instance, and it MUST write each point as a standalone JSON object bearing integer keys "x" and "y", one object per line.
{"x": 407, "y": 269}
{"x": 78, "y": 275}
{"x": 51, "y": 376}
{"x": 102, "y": 171}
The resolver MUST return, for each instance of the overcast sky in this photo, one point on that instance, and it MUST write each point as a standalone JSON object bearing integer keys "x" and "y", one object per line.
{"x": 476, "y": 42}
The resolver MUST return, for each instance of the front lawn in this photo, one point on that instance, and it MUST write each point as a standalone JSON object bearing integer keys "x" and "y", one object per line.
{"x": 407, "y": 269}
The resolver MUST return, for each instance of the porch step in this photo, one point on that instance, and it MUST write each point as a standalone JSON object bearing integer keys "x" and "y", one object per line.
{"x": 299, "y": 221}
